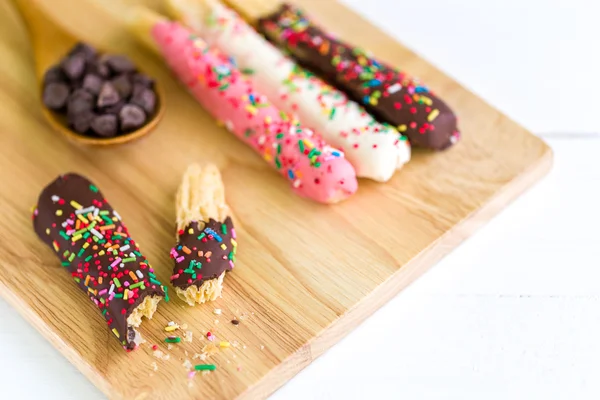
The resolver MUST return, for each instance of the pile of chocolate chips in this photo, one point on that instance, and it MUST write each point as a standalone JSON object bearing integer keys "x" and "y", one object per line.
{"x": 101, "y": 95}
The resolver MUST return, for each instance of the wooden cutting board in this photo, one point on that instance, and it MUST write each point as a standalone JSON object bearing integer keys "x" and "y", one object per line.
{"x": 307, "y": 273}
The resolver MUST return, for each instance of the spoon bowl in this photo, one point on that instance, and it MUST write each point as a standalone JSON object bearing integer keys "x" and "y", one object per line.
{"x": 50, "y": 44}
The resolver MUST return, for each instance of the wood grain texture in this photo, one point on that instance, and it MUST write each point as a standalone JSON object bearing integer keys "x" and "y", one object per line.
{"x": 306, "y": 273}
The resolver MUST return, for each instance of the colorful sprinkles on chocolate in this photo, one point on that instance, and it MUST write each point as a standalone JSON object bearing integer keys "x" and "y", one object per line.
{"x": 389, "y": 94}
{"x": 78, "y": 223}
{"x": 209, "y": 253}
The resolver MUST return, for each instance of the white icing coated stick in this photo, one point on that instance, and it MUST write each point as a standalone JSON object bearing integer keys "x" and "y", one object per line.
{"x": 312, "y": 167}
{"x": 376, "y": 151}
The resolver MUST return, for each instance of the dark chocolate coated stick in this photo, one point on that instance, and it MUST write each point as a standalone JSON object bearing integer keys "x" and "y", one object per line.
{"x": 390, "y": 95}
{"x": 73, "y": 218}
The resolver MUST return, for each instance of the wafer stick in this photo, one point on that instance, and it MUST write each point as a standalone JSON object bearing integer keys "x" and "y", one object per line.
{"x": 207, "y": 244}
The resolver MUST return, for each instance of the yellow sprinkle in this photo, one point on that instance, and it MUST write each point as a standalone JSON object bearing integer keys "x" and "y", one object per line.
{"x": 191, "y": 231}
{"x": 373, "y": 101}
{"x": 101, "y": 253}
{"x": 171, "y": 328}
{"x": 126, "y": 294}
{"x": 76, "y": 205}
{"x": 86, "y": 245}
{"x": 224, "y": 344}
{"x": 268, "y": 119}
{"x": 251, "y": 109}
{"x": 426, "y": 100}
{"x": 83, "y": 219}
{"x": 402, "y": 128}
{"x": 308, "y": 143}
{"x": 47, "y": 231}
{"x": 114, "y": 330}
{"x": 233, "y": 242}
{"x": 223, "y": 246}
{"x": 55, "y": 246}
{"x": 433, "y": 115}
{"x": 59, "y": 212}
{"x": 76, "y": 237}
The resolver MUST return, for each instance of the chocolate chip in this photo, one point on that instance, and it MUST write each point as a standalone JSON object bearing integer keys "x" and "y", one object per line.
{"x": 99, "y": 68}
{"x": 88, "y": 52}
{"x": 81, "y": 122}
{"x": 123, "y": 85}
{"x": 108, "y": 95}
{"x": 115, "y": 108}
{"x": 235, "y": 322}
{"x": 80, "y": 101}
{"x": 146, "y": 99}
{"x": 120, "y": 64}
{"x": 54, "y": 74}
{"x": 92, "y": 83}
{"x": 74, "y": 66}
{"x": 105, "y": 125}
{"x": 131, "y": 117}
{"x": 143, "y": 80}
{"x": 55, "y": 95}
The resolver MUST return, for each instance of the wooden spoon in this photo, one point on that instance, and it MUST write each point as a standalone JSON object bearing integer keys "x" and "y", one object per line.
{"x": 50, "y": 44}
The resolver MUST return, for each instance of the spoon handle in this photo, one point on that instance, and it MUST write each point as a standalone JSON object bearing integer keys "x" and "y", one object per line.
{"x": 48, "y": 40}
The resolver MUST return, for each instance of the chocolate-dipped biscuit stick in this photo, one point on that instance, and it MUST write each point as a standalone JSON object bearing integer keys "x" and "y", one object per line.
{"x": 206, "y": 238}
{"x": 390, "y": 95}
{"x": 87, "y": 234}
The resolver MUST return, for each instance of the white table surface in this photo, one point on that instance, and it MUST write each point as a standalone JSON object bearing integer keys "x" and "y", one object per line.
{"x": 514, "y": 311}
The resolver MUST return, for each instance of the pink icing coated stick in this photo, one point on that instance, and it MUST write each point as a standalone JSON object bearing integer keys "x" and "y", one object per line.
{"x": 314, "y": 169}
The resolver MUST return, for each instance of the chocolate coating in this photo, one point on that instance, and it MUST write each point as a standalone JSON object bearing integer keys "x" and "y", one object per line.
{"x": 199, "y": 256}
{"x": 390, "y": 95}
{"x": 97, "y": 252}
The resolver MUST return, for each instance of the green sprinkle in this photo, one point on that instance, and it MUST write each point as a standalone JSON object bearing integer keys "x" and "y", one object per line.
{"x": 174, "y": 339}
{"x": 277, "y": 162}
{"x": 279, "y": 136}
{"x": 205, "y": 367}
{"x": 106, "y": 219}
{"x": 317, "y": 164}
{"x": 194, "y": 276}
{"x": 188, "y": 271}
{"x": 104, "y": 212}
{"x": 86, "y": 235}
{"x": 65, "y": 263}
{"x": 248, "y": 71}
{"x": 119, "y": 296}
{"x": 77, "y": 280}
{"x": 102, "y": 300}
{"x": 80, "y": 252}
{"x": 332, "y": 113}
{"x": 301, "y": 146}
{"x": 101, "y": 241}
{"x": 312, "y": 152}
{"x": 166, "y": 289}
{"x": 230, "y": 255}
{"x": 66, "y": 254}
{"x": 72, "y": 257}
{"x": 129, "y": 259}
{"x": 136, "y": 285}
{"x": 88, "y": 258}
{"x": 278, "y": 148}
{"x": 93, "y": 188}
{"x": 137, "y": 253}
{"x": 152, "y": 280}
{"x": 199, "y": 265}
{"x": 202, "y": 235}
{"x": 116, "y": 282}
{"x": 63, "y": 234}
{"x": 223, "y": 87}
{"x": 104, "y": 311}
{"x": 224, "y": 229}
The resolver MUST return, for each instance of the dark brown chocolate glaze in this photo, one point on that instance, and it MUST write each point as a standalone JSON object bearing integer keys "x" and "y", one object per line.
{"x": 199, "y": 256}
{"x": 390, "y": 95}
{"x": 82, "y": 242}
